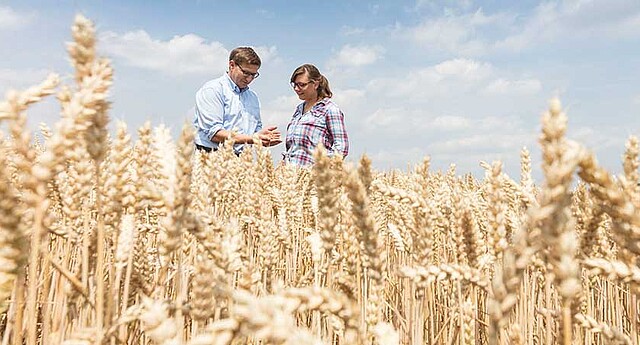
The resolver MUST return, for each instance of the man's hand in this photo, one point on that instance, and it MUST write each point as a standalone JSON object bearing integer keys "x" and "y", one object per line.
{"x": 270, "y": 136}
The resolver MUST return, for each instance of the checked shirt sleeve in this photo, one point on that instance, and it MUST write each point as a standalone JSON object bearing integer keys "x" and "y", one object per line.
{"x": 337, "y": 130}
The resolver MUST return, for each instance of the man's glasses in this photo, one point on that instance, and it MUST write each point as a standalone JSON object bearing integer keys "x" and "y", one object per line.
{"x": 248, "y": 74}
{"x": 300, "y": 85}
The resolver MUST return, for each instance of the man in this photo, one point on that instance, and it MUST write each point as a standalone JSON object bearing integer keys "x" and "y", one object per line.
{"x": 227, "y": 109}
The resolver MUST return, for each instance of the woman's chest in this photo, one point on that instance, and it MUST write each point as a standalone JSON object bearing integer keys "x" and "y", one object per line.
{"x": 309, "y": 118}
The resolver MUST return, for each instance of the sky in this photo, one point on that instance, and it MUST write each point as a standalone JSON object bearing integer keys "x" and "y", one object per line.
{"x": 461, "y": 81}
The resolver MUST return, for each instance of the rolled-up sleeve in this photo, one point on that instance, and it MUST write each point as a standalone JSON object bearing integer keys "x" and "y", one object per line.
{"x": 209, "y": 111}
{"x": 335, "y": 126}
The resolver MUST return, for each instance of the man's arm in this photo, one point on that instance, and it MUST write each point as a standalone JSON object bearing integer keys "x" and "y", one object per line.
{"x": 209, "y": 111}
{"x": 223, "y": 134}
{"x": 210, "y": 105}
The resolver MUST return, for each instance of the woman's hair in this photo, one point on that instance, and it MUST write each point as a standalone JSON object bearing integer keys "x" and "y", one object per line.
{"x": 245, "y": 55}
{"x": 314, "y": 74}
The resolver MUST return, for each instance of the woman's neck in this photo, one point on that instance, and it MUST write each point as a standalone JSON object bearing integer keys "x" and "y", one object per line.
{"x": 312, "y": 100}
{"x": 309, "y": 103}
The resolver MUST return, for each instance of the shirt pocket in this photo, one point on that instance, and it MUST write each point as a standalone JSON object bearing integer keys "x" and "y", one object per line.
{"x": 315, "y": 126}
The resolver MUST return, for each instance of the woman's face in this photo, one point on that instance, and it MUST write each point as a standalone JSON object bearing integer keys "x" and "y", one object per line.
{"x": 306, "y": 89}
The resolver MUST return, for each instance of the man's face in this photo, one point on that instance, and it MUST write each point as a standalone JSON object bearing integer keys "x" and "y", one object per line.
{"x": 242, "y": 75}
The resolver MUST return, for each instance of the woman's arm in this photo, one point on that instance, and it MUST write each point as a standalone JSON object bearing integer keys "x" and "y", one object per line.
{"x": 335, "y": 127}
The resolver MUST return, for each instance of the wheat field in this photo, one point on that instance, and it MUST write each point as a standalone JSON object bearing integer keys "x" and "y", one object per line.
{"x": 108, "y": 241}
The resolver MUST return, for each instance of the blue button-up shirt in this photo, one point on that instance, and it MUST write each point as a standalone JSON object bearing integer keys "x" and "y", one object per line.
{"x": 221, "y": 104}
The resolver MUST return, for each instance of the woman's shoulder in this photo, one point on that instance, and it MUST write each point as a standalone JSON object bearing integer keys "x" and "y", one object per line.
{"x": 329, "y": 105}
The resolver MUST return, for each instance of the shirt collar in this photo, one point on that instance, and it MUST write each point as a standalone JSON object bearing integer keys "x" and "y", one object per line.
{"x": 321, "y": 103}
{"x": 233, "y": 85}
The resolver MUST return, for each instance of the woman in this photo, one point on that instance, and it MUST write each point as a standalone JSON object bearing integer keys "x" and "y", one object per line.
{"x": 317, "y": 120}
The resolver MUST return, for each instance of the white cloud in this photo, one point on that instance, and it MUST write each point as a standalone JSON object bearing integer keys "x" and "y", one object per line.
{"x": 473, "y": 33}
{"x": 450, "y": 123}
{"x": 347, "y": 30}
{"x": 179, "y": 55}
{"x": 279, "y": 110}
{"x": 267, "y": 54}
{"x": 614, "y": 17}
{"x": 397, "y": 120}
{"x": 458, "y": 34}
{"x": 595, "y": 138}
{"x": 10, "y": 19}
{"x": 524, "y": 86}
{"x": 185, "y": 54}
{"x": 348, "y": 99}
{"x": 447, "y": 4}
{"x": 441, "y": 79}
{"x": 356, "y": 56}
{"x": 543, "y": 25}
{"x": 584, "y": 19}
{"x": 398, "y": 157}
{"x": 20, "y": 79}
{"x": 384, "y": 118}
{"x": 481, "y": 142}
{"x": 464, "y": 161}
{"x": 463, "y": 68}
{"x": 501, "y": 123}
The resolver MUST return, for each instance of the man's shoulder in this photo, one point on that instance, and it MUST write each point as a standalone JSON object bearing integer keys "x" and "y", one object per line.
{"x": 216, "y": 83}
{"x": 213, "y": 88}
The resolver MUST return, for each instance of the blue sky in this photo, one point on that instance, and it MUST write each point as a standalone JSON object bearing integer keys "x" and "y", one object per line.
{"x": 461, "y": 81}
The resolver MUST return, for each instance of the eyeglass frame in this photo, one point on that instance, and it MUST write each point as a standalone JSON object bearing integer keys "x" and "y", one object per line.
{"x": 247, "y": 74}
{"x": 300, "y": 85}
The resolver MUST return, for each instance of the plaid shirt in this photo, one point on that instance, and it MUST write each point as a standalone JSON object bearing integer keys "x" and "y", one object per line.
{"x": 324, "y": 123}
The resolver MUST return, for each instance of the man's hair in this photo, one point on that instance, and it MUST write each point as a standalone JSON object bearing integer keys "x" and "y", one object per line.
{"x": 245, "y": 55}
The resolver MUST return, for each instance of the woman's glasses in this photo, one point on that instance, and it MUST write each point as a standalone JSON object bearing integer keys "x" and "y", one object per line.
{"x": 300, "y": 85}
